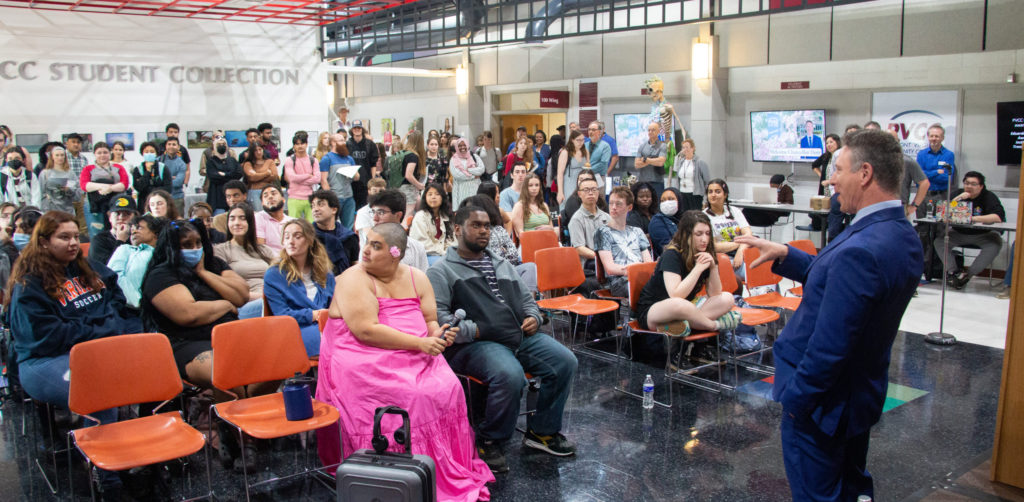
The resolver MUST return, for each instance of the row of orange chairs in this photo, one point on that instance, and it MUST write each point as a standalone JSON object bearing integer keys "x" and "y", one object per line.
{"x": 138, "y": 368}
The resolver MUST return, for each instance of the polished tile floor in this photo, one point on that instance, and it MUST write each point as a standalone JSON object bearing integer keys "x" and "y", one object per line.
{"x": 720, "y": 447}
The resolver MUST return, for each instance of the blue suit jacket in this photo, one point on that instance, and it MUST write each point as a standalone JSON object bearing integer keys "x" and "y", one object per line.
{"x": 832, "y": 358}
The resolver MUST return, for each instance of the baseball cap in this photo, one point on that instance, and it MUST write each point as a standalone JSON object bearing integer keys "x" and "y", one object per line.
{"x": 357, "y": 123}
{"x": 122, "y": 203}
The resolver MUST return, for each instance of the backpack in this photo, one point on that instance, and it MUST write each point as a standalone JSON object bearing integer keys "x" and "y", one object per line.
{"x": 395, "y": 171}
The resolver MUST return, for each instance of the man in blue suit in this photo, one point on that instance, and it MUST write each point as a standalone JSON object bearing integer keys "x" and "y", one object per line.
{"x": 832, "y": 358}
{"x": 809, "y": 140}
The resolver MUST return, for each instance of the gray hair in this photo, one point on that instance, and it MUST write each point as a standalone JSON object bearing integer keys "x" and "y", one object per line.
{"x": 394, "y": 235}
{"x": 600, "y": 125}
{"x": 882, "y": 151}
{"x": 937, "y": 126}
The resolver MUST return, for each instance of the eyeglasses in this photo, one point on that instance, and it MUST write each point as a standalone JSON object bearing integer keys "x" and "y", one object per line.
{"x": 217, "y": 137}
{"x": 972, "y": 184}
{"x": 588, "y": 190}
{"x": 380, "y": 212}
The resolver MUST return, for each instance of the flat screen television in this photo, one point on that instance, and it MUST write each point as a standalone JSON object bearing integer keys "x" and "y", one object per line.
{"x": 630, "y": 132}
{"x": 1009, "y": 132}
{"x": 787, "y": 135}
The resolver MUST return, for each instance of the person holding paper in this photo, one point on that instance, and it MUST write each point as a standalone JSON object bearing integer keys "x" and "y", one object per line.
{"x": 337, "y": 172}
{"x": 59, "y": 183}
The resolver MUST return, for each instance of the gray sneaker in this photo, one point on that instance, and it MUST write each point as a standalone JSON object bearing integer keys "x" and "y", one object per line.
{"x": 555, "y": 444}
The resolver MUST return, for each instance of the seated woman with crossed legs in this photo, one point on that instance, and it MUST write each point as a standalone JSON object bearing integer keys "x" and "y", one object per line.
{"x": 669, "y": 301}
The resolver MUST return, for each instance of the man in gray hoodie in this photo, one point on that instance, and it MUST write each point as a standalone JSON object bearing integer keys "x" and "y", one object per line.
{"x": 498, "y": 342}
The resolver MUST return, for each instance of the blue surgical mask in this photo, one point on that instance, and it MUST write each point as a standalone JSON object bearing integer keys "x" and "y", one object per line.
{"x": 192, "y": 256}
{"x": 149, "y": 157}
{"x": 21, "y": 240}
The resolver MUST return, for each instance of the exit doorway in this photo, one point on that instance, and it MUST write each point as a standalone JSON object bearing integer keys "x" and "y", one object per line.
{"x": 547, "y": 122}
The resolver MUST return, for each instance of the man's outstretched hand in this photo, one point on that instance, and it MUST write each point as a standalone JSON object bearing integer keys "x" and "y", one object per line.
{"x": 770, "y": 251}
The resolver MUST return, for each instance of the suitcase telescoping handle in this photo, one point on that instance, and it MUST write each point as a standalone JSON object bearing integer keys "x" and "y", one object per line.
{"x": 379, "y": 441}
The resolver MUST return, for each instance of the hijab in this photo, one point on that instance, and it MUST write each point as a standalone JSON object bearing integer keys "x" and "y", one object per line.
{"x": 463, "y": 161}
{"x": 679, "y": 205}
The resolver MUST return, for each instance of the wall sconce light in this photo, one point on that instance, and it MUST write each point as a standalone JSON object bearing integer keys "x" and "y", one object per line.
{"x": 461, "y": 80}
{"x": 701, "y": 61}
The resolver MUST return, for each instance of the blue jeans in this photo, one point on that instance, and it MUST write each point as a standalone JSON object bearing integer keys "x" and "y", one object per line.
{"x": 255, "y": 200}
{"x": 47, "y": 379}
{"x": 251, "y": 310}
{"x": 311, "y": 339}
{"x": 502, "y": 370}
{"x": 93, "y": 221}
{"x": 347, "y": 212}
{"x": 1009, "y": 265}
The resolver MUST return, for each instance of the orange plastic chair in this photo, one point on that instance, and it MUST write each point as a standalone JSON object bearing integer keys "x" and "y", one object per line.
{"x": 605, "y": 293}
{"x": 123, "y": 370}
{"x": 560, "y": 268}
{"x": 638, "y": 275}
{"x": 751, "y": 317}
{"x": 85, "y": 249}
{"x": 535, "y": 240}
{"x": 314, "y": 361}
{"x": 260, "y": 350}
{"x": 807, "y": 246}
{"x": 321, "y": 317}
{"x": 762, "y": 275}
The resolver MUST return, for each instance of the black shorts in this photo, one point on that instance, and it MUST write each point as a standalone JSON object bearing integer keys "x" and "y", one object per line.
{"x": 641, "y": 318}
{"x": 185, "y": 351}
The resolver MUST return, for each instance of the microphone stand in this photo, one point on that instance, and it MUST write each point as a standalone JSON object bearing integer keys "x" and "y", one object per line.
{"x": 940, "y": 337}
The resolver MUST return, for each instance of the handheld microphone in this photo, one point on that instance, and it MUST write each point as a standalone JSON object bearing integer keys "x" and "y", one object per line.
{"x": 457, "y": 317}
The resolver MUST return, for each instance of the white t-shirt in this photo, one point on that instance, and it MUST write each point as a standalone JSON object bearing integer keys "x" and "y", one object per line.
{"x": 364, "y": 222}
{"x": 724, "y": 227}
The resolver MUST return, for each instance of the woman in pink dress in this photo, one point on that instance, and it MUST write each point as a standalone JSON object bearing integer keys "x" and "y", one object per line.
{"x": 380, "y": 347}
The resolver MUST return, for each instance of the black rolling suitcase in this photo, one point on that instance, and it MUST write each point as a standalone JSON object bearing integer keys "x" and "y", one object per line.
{"x": 384, "y": 476}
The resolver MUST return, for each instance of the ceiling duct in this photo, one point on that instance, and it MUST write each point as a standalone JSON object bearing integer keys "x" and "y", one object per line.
{"x": 419, "y": 26}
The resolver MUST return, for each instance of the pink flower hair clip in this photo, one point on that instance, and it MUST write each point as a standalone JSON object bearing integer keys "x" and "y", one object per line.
{"x": 395, "y": 251}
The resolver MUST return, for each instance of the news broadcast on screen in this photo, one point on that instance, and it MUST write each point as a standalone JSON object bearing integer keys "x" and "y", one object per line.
{"x": 787, "y": 135}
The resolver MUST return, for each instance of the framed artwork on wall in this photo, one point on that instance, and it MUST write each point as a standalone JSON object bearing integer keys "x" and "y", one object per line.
{"x": 128, "y": 138}
{"x": 33, "y": 142}
{"x": 236, "y": 139}
{"x": 446, "y": 123}
{"x": 156, "y": 136}
{"x": 387, "y": 125}
{"x": 416, "y": 124}
{"x": 200, "y": 140}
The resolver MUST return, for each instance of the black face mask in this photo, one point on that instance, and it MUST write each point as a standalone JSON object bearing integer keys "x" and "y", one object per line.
{"x": 222, "y": 149}
{"x": 15, "y": 164}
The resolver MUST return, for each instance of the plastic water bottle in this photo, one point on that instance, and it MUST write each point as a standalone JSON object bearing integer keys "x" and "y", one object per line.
{"x": 864, "y": 498}
{"x": 648, "y": 393}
